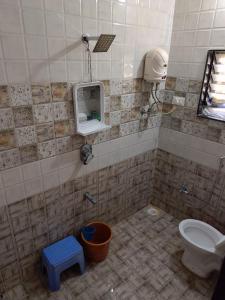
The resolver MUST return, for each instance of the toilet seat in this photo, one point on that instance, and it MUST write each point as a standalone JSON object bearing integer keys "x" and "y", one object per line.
{"x": 204, "y": 247}
{"x": 200, "y": 234}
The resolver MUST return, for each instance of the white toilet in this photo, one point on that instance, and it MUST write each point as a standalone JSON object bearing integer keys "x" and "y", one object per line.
{"x": 204, "y": 247}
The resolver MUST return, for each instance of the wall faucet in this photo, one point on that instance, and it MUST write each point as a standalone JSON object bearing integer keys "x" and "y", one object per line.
{"x": 90, "y": 198}
{"x": 184, "y": 189}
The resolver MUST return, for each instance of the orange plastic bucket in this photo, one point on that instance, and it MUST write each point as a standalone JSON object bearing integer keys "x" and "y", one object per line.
{"x": 97, "y": 249}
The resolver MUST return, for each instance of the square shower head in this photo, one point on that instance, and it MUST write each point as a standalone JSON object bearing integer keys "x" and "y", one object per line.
{"x": 104, "y": 42}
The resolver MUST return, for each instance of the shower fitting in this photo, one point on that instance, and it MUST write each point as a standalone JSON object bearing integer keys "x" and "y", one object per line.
{"x": 103, "y": 44}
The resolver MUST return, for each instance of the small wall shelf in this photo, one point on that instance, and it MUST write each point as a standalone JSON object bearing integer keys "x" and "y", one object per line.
{"x": 89, "y": 108}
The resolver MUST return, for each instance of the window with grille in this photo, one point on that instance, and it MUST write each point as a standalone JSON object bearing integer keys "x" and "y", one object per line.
{"x": 212, "y": 97}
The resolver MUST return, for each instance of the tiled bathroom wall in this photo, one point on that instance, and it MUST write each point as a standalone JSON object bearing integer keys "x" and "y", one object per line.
{"x": 198, "y": 26}
{"x": 37, "y": 121}
{"x": 26, "y": 226}
{"x": 47, "y": 35}
{"x": 42, "y": 180}
{"x": 205, "y": 196}
{"x": 190, "y": 147}
{"x": 189, "y": 155}
{"x": 39, "y": 148}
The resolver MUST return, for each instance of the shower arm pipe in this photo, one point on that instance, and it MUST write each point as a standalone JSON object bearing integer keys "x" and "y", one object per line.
{"x": 86, "y": 38}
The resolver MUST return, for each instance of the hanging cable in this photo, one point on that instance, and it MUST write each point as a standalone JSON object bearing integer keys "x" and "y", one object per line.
{"x": 156, "y": 90}
{"x": 87, "y": 46}
{"x": 157, "y": 101}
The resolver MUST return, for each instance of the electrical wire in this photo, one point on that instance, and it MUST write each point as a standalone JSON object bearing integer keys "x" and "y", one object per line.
{"x": 87, "y": 45}
{"x": 157, "y": 101}
{"x": 156, "y": 90}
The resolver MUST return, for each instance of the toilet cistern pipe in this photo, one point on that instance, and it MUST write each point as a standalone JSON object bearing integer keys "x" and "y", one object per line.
{"x": 90, "y": 198}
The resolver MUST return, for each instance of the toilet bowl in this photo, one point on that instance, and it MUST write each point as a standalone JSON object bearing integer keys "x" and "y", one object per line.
{"x": 204, "y": 247}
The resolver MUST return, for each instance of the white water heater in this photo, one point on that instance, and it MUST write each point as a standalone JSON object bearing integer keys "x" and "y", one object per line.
{"x": 156, "y": 62}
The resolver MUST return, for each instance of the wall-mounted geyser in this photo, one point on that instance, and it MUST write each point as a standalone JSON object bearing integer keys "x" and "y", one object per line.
{"x": 156, "y": 61}
{"x": 155, "y": 71}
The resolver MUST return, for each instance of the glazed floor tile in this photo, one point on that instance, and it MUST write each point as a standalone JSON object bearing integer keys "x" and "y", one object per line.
{"x": 144, "y": 262}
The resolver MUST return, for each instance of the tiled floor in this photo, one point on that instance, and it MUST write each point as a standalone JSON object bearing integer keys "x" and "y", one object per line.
{"x": 144, "y": 263}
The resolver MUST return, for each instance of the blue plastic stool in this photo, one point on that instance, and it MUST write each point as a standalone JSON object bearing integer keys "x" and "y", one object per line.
{"x": 59, "y": 257}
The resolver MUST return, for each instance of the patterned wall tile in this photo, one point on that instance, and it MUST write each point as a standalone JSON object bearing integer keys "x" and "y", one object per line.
{"x": 127, "y": 101}
{"x": 178, "y": 99}
{"x": 9, "y": 159}
{"x": 23, "y": 116}
{"x": 18, "y": 208}
{"x": 191, "y": 100}
{"x": 106, "y": 84}
{"x": 182, "y": 85}
{"x": 60, "y": 111}
{"x": 140, "y": 99}
{"x": 41, "y": 93}
{"x": 135, "y": 113}
{"x": 7, "y": 140}
{"x": 43, "y": 113}
{"x": 70, "y": 109}
{"x": 6, "y": 119}
{"x": 41, "y": 104}
{"x": 59, "y": 91}
{"x": 35, "y": 202}
{"x": 37, "y": 221}
{"x": 115, "y": 118}
{"x": 28, "y": 153}
{"x": 127, "y": 86}
{"x": 39, "y": 230}
{"x": 106, "y": 104}
{"x": 125, "y": 116}
{"x": 77, "y": 141}
{"x": 63, "y": 145}
{"x": 8, "y": 258}
{"x": 170, "y": 83}
{"x": 115, "y": 103}
{"x": 4, "y": 96}
{"x": 45, "y": 131}
{"x": 186, "y": 127}
{"x": 115, "y": 132}
{"x": 115, "y": 87}
{"x": 106, "y": 117}
{"x": 46, "y": 149}
{"x": 20, "y": 223}
{"x": 124, "y": 129}
{"x": 213, "y": 134}
{"x": 146, "y": 86}
{"x": 41, "y": 241}
{"x": 137, "y": 85}
{"x": 134, "y": 126}
{"x": 92, "y": 139}
{"x": 176, "y": 124}
{"x": 24, "y": 243}
{"x": 37, "y": 216}
{"x": 195, "y": 86}
{"x": 62, "y": 128}
{"x": 20, "y": 95}
{"x": 104, "y": 136}
{"x": 25, "y": 136}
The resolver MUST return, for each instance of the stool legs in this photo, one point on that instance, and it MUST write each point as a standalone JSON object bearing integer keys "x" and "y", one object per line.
{"x": 81, "y": 263}
{"x": 53, "y": 280}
